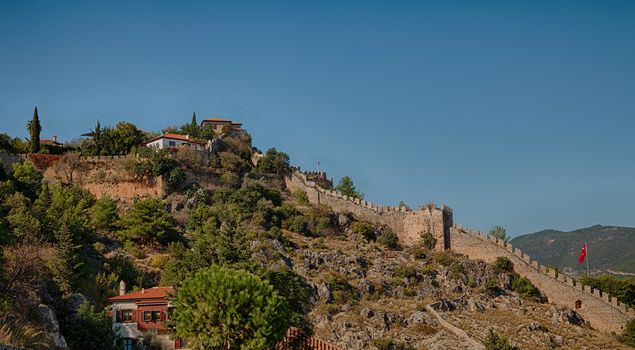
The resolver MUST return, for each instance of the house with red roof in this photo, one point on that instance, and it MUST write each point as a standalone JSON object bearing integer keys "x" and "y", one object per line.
{"x": 137, "y": 312}
{"x": 175, "y": 141}
{"x": 221, "y": 125}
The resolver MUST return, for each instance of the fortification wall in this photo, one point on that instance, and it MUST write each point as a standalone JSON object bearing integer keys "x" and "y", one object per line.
{"x": 604, "y": 312}
{"x": 406, "y": 223}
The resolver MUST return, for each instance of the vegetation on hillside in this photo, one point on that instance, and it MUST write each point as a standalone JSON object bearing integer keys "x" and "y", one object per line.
{"x": 609, "y": 248}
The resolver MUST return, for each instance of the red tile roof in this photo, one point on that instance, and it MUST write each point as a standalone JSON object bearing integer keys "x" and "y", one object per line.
{"x": 50, "y": 142}
{"x": 149, "y": 293}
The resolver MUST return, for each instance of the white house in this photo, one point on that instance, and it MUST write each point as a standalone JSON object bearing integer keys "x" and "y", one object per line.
{"x": 175, "y": 141}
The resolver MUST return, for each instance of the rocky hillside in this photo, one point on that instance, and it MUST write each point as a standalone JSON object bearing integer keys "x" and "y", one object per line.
{"x": 610, "y": 248}
{"x": 348, "y": 281}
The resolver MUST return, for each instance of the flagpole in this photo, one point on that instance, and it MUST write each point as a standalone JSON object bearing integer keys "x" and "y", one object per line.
{"x": 587, "y": 258}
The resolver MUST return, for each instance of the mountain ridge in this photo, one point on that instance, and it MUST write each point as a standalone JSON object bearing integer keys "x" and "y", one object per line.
{"x": 609, "y": 248}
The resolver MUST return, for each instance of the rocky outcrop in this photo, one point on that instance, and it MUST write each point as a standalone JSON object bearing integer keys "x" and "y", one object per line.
{"x": 52, "y": 327}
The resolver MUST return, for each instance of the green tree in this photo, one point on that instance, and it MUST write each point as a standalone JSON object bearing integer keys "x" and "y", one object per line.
{"x": 104, "y": 213}
{"x": 388, "y": 238}
{"x": 147, "y": 221}
{"x": 66, "y": 261}
{"x": 35, "y": 128}
{"x": 346, "y": 187}
{"x": 27, "y": 178}
{"x": 91, "y": 330}
{"x": 124, "y": 137}
{"x": 219, "y": 308}
{"x": 274, "y": 162}
{"x": 499, "y": 232}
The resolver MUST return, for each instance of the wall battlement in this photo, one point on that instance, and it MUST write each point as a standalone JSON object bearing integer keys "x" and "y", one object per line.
{"x": 602, "y": 310}
{"x": 407, "y": 224}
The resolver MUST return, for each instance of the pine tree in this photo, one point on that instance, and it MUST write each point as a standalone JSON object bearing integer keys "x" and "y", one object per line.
{"x": 97, "y": 139}
{"x": 35, "y": 128}
{"x": 65, "y": 260}
{"x": 347, "y": 187}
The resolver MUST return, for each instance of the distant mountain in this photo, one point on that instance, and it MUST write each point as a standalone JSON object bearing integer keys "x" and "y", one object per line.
{"x": 610, "y": 248}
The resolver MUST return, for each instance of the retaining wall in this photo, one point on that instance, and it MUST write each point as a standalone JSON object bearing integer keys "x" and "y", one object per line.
{"x": 604, "y": 312}
{"x": 406, "y": 223}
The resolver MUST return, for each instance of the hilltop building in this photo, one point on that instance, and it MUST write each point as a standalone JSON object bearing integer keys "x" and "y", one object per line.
{"x": 175, "y": 141}
{"x": 220, "y": 124}
{"x": 137, "y": 312}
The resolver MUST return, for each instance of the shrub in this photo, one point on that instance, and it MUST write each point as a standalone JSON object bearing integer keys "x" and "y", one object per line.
{"x": 158, "y": 261}
{"x": 175, "y": 177}
{"x": 365, "y": 229}
{"x": 429, "y": 270}
{"x": 497, "y": 342}
{"x": 427, "y": 240}
{"x": 443, "y": 258}
{"x": 130, "y": 248}
{"x": 628, "y": 337}
{"x": 457, "y": 271}
{"x": 525, "y": 288}
{"x": 389, "y": 239}
{"x": 301, "y": 197}
{"x": 503, "y": 264}
{"x": 492, "y": 288}
{"x": 405, "y": 271}
{"x": 299, "y": 224}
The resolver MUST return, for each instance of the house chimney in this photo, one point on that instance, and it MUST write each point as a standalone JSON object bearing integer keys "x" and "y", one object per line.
{"x": 187, "y": 136}
{"x": 122, "y": 287}
{"x": 143, "y": 290}
{"x": 54, "y": 138}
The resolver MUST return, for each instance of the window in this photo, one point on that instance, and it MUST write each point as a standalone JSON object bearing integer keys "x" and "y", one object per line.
{"x": 156, "y": 315}
{"x": 152, "y": 316}
{"x": 126, "y": 315}
{"x": 128, "y": 344}
{"x": 171, "y": 143}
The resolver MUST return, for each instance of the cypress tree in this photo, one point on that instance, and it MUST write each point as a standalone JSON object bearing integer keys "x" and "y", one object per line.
{"x": 66, "y": 260}
{"x": 194, "y": 123}
{"x": 35, "y": 128}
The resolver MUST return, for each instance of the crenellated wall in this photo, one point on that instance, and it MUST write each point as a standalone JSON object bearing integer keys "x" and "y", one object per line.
{"x": 406, "y": 223}
{"x": 604, "y": 312}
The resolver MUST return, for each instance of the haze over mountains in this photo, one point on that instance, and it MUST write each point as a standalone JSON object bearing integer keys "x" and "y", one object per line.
{"x": 610, "y": 248}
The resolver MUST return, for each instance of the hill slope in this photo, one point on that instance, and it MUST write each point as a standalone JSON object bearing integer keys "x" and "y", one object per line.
{"x": 609, "y": 247}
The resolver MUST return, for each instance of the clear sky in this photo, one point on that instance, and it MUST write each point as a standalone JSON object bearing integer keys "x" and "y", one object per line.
{"x": 515, "y": 114}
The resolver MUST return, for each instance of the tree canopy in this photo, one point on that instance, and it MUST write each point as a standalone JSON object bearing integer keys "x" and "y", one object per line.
{"x": 346, "y": 187}
{"x": 219, "y": 308}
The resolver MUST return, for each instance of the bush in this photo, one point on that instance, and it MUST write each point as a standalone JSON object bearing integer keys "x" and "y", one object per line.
{"x": 130, "y": 248}
{"x": 389, "y": 239}
{"x": 443, "y": 258}
{"x": 492, "y": 288}
{"x": 405, "y": 271}
{"x": 497, "y": 342}
{"x": 628, "y": 337}
{"x": 365, "y": 229}
{"x": 301, "y": 197}
{"x": 503, "y": 264}
{"x": 525, "y": 288}
{"x": 299, "y": 224}
{"x": 389, "y": 344}
{"x": 427, "y": 240}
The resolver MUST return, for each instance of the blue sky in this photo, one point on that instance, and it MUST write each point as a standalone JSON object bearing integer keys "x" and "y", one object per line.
{"x": 521, "y": 115}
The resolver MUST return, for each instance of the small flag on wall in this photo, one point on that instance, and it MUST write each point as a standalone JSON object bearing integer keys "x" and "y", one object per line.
{"x": 582, "y": 255}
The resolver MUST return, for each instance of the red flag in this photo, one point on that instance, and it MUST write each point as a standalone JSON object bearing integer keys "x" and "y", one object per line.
{"x": 582, "y": 255}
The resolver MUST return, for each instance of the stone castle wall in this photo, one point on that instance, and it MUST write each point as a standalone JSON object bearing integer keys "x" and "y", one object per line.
{"x": 406, "y": 223}
{"x": 604, "y": 312}
{"x": 100, "y": 175}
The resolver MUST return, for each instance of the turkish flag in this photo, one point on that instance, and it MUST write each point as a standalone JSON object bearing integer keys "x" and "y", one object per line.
{"x": 582, "y": 255}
